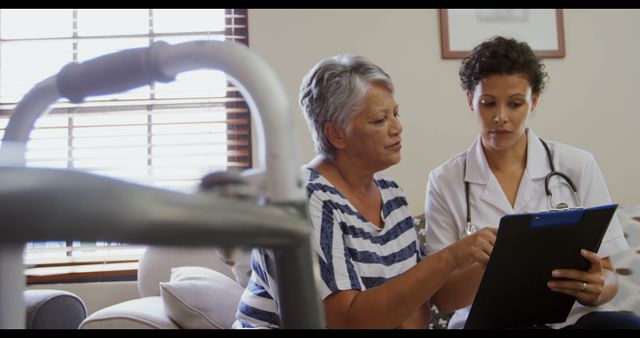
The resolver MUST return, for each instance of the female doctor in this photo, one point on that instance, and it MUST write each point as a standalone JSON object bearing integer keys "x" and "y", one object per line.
{"x": 503, "y": 172}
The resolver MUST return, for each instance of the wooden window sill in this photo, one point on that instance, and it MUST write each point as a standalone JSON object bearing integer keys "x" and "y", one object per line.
{"x": 82, "y": 273}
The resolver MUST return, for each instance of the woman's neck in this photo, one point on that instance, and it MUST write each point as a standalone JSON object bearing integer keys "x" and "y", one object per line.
{"x": 507, "y": 160}
{"x": 508, "y": 167}
{"x": 344, "y": 173}
{"x": 355, "y": 183}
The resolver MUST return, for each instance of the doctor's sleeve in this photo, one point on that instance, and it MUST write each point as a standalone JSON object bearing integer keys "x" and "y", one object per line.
{"x": 594, "y": 193}
{"x": 441, "y": 228}
{"x": 593, "y": 186}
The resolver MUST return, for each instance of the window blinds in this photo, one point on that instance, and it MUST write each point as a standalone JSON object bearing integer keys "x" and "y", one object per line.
{"x": 165, "y": 135}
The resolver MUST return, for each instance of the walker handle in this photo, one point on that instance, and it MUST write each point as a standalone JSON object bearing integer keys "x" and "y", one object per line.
{"x": 111, "y": 73}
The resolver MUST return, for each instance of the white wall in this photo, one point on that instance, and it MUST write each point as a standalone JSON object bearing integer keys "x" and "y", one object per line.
{"x": 588, "y": 103}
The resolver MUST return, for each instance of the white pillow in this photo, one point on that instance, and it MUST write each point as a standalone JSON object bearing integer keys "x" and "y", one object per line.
{"x": 200, "y": 298}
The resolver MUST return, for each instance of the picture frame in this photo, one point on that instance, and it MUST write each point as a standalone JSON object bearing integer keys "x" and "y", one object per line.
{"x": 463, "y": 29}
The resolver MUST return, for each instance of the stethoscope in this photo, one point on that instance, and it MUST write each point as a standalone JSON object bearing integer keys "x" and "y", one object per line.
{"x": 552, "y": 207}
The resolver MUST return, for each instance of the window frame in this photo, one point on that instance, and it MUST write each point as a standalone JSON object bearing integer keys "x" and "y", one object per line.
{"x": 238, "y": 135}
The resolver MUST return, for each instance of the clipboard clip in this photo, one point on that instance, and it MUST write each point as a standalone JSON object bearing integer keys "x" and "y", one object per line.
{"x": 562, "y": 209}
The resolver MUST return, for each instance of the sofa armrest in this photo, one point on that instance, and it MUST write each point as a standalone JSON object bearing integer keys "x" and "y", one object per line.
{"x": 53, "y": 309}
{"x": 141, "y": 313}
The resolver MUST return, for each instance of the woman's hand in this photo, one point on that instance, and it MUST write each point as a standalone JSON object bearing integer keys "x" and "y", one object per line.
{"x": 473, "y": 248}
{"x": 585, "y": 286}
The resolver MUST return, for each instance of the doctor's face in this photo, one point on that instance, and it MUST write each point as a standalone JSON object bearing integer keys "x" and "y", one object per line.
{"x": 501, "y": 104}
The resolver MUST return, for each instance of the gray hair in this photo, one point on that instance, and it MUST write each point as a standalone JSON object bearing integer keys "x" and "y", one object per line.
{"x": 334, "y": 91}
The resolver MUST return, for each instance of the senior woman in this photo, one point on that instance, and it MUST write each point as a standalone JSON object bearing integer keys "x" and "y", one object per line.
{"x": 372, "y": 268}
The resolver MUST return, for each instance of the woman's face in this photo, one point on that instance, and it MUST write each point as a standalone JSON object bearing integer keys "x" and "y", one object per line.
{"x": 374, "y": 136}
{"x": 502, "y": 104}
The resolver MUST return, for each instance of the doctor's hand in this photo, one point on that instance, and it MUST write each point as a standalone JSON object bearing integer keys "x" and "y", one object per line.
{"x": 473, "y": 248}
{"x": 585, "y": 286}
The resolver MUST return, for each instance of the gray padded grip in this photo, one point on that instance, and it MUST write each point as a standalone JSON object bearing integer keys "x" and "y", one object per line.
{"x": 111, "y": 73}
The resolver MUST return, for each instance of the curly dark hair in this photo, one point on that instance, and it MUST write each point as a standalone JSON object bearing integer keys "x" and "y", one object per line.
{"x": 502, "y": 56}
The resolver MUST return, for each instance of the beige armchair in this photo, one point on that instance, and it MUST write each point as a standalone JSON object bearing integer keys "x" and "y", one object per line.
{"x": 150, "y": 310}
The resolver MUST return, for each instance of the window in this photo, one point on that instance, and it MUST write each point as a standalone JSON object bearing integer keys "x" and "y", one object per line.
{"x": 165, "y": 135}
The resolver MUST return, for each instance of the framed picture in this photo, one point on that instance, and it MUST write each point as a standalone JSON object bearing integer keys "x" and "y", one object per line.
{"x": 463, "y": 29}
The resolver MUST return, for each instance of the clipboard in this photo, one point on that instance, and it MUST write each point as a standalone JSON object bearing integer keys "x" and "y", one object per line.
{"x": 513, "y": 291}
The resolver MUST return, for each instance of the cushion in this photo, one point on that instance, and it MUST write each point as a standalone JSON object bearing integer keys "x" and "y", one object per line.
{"x": 239, "y": 260}
{"x": 200, "y": 298}
{"x": 627, "y": 262}
{"x": 157, "y": 261}
{"x": 439, "y": 320}
{"x": 141, "y": 313}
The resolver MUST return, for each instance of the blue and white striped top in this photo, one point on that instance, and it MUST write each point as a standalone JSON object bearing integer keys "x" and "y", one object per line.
{"x": 353, "y": 253}
{"x": 258, "y": 307}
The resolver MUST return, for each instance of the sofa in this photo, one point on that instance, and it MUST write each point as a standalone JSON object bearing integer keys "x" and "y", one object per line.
{"x": 627, "y": 263}
{"x": 188, "y": 288}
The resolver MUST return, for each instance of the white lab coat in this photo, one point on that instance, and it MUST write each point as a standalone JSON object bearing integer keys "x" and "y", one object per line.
{"x": 446, "y": 212}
